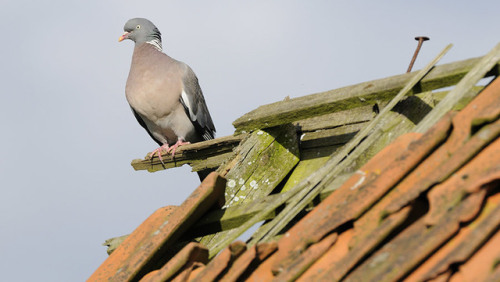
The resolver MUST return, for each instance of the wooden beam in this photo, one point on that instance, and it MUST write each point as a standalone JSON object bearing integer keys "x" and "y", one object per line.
{"x": 359, "y": 95}
{"x": 201, "y": 155}
{"x": 260, "y": 163}
{"x": 336, "y": 119}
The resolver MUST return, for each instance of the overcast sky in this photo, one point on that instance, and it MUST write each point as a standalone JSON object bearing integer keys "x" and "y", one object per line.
{"x": 68, "y": 134}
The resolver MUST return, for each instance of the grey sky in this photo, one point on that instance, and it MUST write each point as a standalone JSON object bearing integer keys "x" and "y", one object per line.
{"x": 69, "y": 135}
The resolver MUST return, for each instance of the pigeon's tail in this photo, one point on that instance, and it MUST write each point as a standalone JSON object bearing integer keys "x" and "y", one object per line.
{"x": 204, "y": 173}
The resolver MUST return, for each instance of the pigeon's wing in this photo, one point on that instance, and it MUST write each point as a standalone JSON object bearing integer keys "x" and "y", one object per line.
{"x": 195, "y": 106}
{"x": 143, "y": 124}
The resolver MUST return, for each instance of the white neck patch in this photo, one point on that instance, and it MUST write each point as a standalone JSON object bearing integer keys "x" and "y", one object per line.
{"x": 156, "y": 43}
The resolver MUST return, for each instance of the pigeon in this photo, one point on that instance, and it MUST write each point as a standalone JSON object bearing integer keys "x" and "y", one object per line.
{"x": 163, "y": 93}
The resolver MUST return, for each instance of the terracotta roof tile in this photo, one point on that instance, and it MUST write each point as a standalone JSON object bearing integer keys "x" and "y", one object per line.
{"x": 330, "y": 258}
{"x": 253, "y": 255}
{"x": 483, "y": 265}
{"x": 295, "y": 266}
{"x": 185, "y": 259}
{"x": 224, "y": 260}
{"x": 393, "y": 261}
{"x": 127, "y": 248}
{"x": 191, "y": 273}
{"x": 342, "y": 265}
{"x": 263, "y": 271}
{"x": 464, "y": 244}
{"x": 190, "y": 270}
{"x": 138, "y": 254}
{"x": 494, "y": 275}
{"x": 483, "y": 169}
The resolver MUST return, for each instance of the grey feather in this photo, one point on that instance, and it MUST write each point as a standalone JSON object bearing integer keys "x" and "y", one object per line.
{"x": 196, "y": 106}
{"x": 143, "y": 124}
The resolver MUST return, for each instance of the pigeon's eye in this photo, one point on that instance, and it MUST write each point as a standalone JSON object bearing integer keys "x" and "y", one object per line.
{"x": 138, "y": 26}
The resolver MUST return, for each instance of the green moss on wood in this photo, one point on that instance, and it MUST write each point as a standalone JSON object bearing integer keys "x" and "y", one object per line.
{"x": 268, "y": 156}
{"x": 350, "y": 97}
{"x": 261, "y": 162}
{"x": 201, "y": 155}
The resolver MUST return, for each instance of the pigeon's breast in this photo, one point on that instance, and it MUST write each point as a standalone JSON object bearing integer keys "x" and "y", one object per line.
{"x": 153, "y": 91}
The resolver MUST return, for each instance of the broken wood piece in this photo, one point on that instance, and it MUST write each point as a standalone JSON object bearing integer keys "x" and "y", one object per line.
{"x": 201, "y": 155}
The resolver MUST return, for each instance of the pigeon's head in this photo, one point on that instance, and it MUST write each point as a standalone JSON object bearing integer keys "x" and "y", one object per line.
{"x": 141, "y": 30}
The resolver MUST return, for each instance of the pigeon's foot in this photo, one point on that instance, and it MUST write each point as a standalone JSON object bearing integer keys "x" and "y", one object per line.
{"x": 158, "y": 151}
{"x": 174, "y": 147}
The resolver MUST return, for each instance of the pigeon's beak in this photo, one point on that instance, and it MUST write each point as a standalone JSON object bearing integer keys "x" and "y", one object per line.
{"x": 123, "y": 37}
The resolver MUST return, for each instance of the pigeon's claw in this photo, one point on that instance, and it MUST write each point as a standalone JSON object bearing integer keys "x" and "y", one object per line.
{"x": 158, "y": 151}
{"x": 174, "y": 147}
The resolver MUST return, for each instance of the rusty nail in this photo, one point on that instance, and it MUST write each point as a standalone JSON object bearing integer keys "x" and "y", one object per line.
{"x": 421, "y": 40}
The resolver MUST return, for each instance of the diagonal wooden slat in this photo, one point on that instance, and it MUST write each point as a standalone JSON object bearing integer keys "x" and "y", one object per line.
{"x": 461, "y": 89}
{"x": 260, "y": 163}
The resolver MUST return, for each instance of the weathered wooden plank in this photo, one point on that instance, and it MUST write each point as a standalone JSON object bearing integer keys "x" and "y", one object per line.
{"x": 332, "y": 120}
{"x": 366, "y": 113}
{"x": 231, "y": 217}
{"x": 363, "y": 94}
{"x": 325, "y": 130}
{"x": 261, "y": 162}
{"x": 226, "y": 237}
{"x": 308, "y": 166}
{"x": 113, "y": 243}
{"x": 318, "y": 152}
{"x": 211, "y": 162}
{"x": 201, "y": 155}
{"x": 328, "y": 137}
